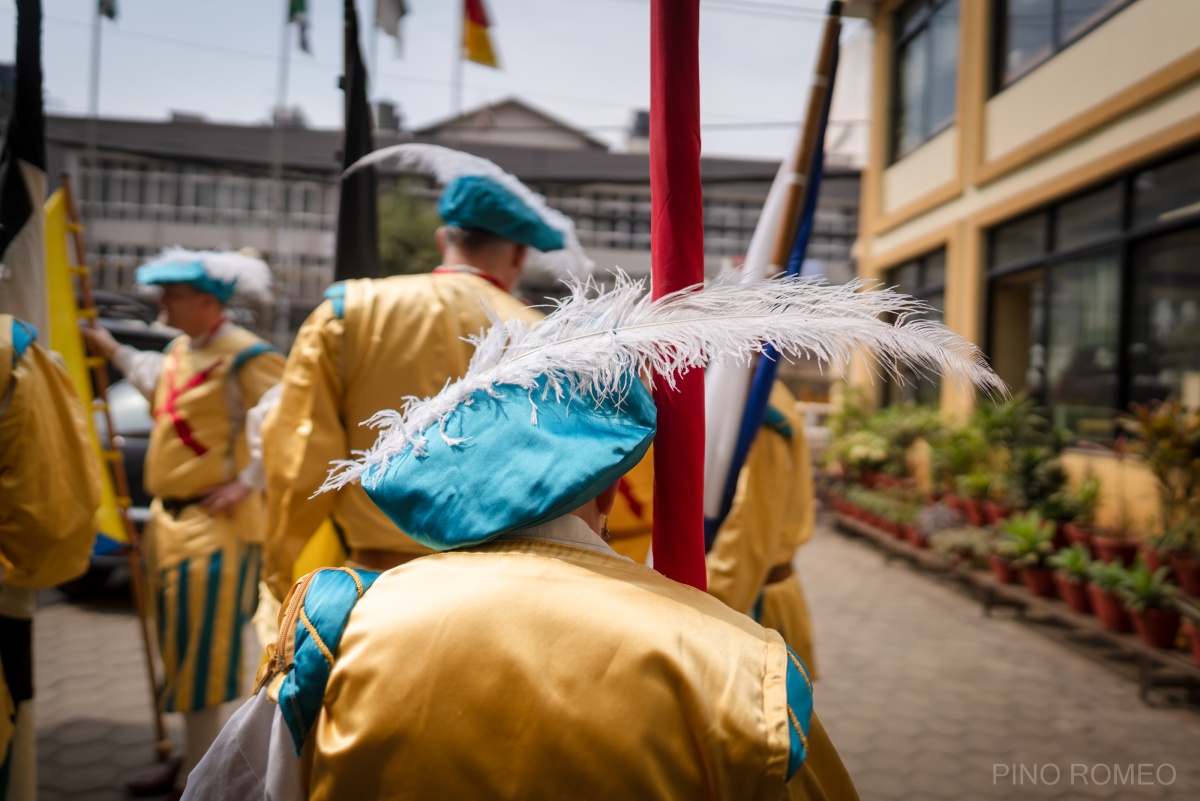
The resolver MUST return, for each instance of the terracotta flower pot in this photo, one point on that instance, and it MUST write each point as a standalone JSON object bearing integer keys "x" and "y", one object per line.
{"x": 1059, "y": 540}
{"x": 1110, "y": 610}
{"x": 973, "y": 509}
{"x": 1002, "y": 569}
{"x": 1079, "y": 535}
{"x": 913, "y": 535}
{"x": 1156, "y": 627}
{"x": 1154, "y": 558}
{"x": 1115, "y": 549}
{"x": 1187, "y": 571}
{"x": 1038, "y": 580}
{"x": 1193, "y": 632}
{"x": 1074, "y": 593}
{"x": 993, "y": 512}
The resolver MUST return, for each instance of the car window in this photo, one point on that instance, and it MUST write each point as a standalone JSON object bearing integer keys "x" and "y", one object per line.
{"x": 129, "y": 409}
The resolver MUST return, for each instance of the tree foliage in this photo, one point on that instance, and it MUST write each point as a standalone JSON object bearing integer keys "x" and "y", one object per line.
{"x": 407, "y": 226}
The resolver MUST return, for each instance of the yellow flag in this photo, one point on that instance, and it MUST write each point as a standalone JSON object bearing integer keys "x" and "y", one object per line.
{"x": 66, "y": 340}
{"x": 477, "y": 44}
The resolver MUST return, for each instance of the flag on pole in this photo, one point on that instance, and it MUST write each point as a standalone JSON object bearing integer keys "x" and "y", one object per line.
{"x": 108, "y": 8}
{"x": 357, "y": 253}
{"x": 477, "y": 43}
{"x": 388, "y": 14}
{"x": 298, "y": 13}
{"x": 23, "y": 181}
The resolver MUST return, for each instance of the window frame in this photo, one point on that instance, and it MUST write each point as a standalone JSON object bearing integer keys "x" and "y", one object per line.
{"x": 1125, "y": 241}
{"x": 923, "y": 291}
{"x": 998, "y": 82}
{"x": 925, "y": 14}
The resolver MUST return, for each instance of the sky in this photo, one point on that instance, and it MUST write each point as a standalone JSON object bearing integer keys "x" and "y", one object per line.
{"x": 584, "y": 61}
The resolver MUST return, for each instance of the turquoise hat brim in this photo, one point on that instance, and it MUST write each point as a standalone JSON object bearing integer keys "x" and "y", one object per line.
{"x": 474, "y": 201}
{"x": 185, "y": 272}
{"x": 511, "y": 473}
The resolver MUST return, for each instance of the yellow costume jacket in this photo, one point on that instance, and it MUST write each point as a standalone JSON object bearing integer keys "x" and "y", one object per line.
{"x": 380, "y": 342}
{"x": 49, "y": 479}
{"x": 772, "y": 515}
{"x": 197, "y": 443}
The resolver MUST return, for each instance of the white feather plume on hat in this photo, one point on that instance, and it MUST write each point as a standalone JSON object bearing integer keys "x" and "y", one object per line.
{"x": 251, "y": 276}
{"x": 444, "y": 165}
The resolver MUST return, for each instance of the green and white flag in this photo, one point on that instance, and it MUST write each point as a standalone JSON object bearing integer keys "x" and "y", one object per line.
{"x": 298, "y": 13}
{"x": 108, "y": 8}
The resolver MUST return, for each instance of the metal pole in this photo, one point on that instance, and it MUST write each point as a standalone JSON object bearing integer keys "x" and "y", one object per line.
{"x": 372, "y": 47}
{"x": 282, "y": 310}
{"x": 456, "y": 75}
{"x": 92, "y": 174}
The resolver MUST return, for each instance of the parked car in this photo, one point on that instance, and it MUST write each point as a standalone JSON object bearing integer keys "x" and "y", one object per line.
{"x": 132, "y": 322}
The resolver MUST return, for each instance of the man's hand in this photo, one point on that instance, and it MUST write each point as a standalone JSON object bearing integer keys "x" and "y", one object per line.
{"x": 99, "y": 341}
{"x": 224, "y": 498}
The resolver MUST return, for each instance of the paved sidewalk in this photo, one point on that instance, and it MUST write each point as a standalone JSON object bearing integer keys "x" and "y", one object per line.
{"x": 924, "y": 697}
{"x": 927, "y": 699}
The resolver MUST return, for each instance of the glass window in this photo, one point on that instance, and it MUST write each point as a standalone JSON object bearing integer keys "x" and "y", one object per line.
{"x": 1019, "y": 241}
{"x": 926, "y": 66}
{"x": 924, "y": 279}
{"x": 1018, "y": 330}
{"x": 1091, "y": 217}
{"x": 1031, "y": 31}
{"x": 1081, "y": 357}
{"x": 1167, "y": 192}
{"x": 1164, "y": 342}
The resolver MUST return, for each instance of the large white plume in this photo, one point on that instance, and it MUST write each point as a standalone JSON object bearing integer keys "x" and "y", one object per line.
{"x": 592, "y": 345}
{"x": 444, "y": 165}
{"x": 252, "y": 275}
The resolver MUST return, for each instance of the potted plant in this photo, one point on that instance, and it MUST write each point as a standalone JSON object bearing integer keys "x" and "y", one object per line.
{"x": 1149, "y": 598}
{"x": 1104, "y": 579}
{"x": 1026, "y": 540}
{"x": 966, "y": 545}
{"x": 1071, "y": 575}
{"x": 1182, "y": 546}
{"x": 973, "y": 489}
{"x": 1190, "y": 609}
{"x": 1083, "y": 503}
{"x": 1116, "y": 545}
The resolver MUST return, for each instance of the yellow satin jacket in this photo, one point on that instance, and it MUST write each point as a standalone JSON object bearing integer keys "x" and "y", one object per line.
{"x": 608, "y": 681}
{"x": 383, "y": 341}
{"x": 49, "y": 478}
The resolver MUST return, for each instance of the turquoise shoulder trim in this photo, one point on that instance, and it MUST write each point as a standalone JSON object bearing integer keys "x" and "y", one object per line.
{"x": 246, "y": 354}
{"x": 324, "y": 611}
{"x": 336, "y": 294}
{"x": 776, "y": 421}
{"x": 800, "y": 710}
{"x": 23, "y": 335}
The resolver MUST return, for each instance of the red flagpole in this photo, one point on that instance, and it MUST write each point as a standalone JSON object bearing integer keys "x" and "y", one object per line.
{"x": 677, "y": 249}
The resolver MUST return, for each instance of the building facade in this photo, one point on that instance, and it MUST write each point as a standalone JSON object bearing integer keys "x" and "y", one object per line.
{"x": 1034, "y": 174}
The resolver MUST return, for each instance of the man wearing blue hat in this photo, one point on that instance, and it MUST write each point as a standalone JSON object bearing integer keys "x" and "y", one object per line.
{"x": 203, "y": 543}
{"x": 374, "y": 340}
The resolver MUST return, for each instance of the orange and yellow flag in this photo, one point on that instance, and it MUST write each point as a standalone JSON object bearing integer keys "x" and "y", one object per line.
{"x": 477, "y": 45}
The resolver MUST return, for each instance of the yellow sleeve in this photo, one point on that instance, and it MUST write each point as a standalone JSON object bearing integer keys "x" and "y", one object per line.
{"x": 822, "y": 777}
{"x": 746, "y": 542}
{"x": 301, "y": 436}
{"x": 49, "y": 476}
{"x": 803, "y": 517}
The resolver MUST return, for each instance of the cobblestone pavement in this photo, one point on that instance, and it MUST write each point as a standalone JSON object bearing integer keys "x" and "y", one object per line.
{"x": 927, "y": 699}
{"x": 923, "y": 696}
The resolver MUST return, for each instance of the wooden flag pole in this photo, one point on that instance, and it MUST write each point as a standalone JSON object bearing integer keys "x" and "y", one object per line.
{"x": 677, "y": 250}
{"x": 116, "y": 468}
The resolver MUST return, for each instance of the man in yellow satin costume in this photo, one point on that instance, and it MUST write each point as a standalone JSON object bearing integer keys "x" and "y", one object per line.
{"x": 750, "y": 563}
{"x": 49, "y": 494}
{"x": 525, "y": 659}
{"x": 376, "y": 340}
{"x": 203, "y": 542}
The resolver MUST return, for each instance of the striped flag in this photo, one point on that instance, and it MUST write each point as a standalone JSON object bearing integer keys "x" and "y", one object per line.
{"x": 298, "y": 13}
{"x": 23, "y": 181}
{"x": 476, "y": 43}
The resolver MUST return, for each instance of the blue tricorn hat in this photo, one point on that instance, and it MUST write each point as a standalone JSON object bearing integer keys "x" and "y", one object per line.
{"x": 219, "y": 273}
{"x": 476, "y": 201}
{"x": 491, "y": 469}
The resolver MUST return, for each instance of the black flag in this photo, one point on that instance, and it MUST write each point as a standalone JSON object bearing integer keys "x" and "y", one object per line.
{"x": 23, "y": 181}
{"x": 357, "y": 231}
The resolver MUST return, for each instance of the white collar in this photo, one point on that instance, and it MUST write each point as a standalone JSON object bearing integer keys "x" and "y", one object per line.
{"x": 568, "y": 529}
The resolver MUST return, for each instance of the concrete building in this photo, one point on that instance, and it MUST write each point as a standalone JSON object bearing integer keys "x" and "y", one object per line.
{"x": 1034, "y": 174}
{"x": 200, "y": 184}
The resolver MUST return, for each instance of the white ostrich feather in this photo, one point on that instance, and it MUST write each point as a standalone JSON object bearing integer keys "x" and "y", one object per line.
{"x": 592, "y": 346}
{"x": 251, "y": 276}
{"x": 445, "y": 164}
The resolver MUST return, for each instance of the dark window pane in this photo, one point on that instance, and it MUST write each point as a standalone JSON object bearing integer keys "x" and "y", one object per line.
{"x": 912, "y": 124}
{"x": 1167, "y": 192}
{"x": 1019, "y": 241}
{"x": 1076, "y": 16}
{"x": 907, "y": 277}
{"x": 1089, "y": 218}
{"x": 1164, "y": 346}
{"x": 1018, "y": 325}
{"x": 943, "y": 86}
{"x": 1081, "y": 364}
{"x": 933, "y": 271}
{"x": 1028, "y": 34}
